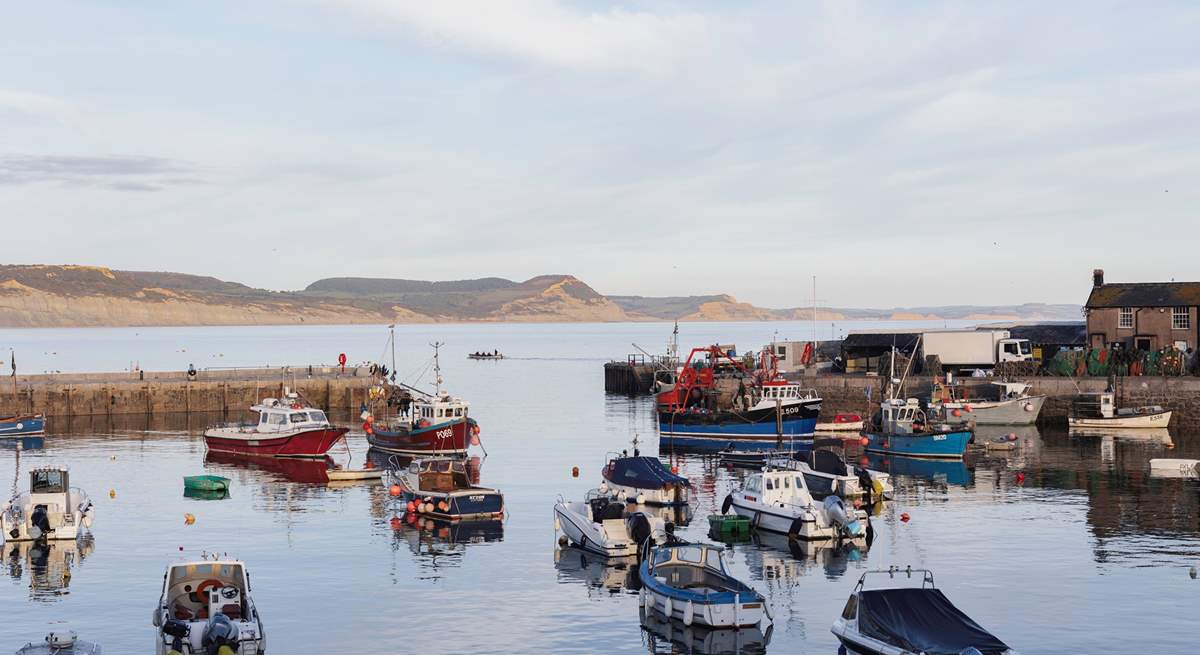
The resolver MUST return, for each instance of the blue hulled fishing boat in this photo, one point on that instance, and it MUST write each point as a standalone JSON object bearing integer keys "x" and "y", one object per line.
{"x": 22, "y": 425}
{"x": 689, "y": 582}
{"x": 902, "y": 427}
{"x": 717, "y": 403}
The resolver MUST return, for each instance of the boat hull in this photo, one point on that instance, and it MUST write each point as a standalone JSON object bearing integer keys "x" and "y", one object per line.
{"x": 813, "y": 526}
{"x": 766, "y": 426}
{"x": 933, "y": 445}
{"x": 304, "y": 444}
{"x": 451, "y": 438}
{"x": 670, "y": 496}
{"x": 474, "y": 503}
{"x": 22, "y": 426}
{"x": 1015, "y": 411}
{"x": 1134, "y": 422}
{"x": 592, "y": 537}
{"x": 730, "y": 611}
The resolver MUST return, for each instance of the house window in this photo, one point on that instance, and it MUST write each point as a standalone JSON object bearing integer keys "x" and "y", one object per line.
{"x": 1126, "y": 320}
{"x": 1181, "y": 319}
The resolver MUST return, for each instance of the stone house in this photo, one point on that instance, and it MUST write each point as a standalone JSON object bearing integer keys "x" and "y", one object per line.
{"x": 1143, "y": 315}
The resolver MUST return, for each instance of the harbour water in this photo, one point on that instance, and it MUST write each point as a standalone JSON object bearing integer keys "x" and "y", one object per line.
{"x": 1065, "y": 545}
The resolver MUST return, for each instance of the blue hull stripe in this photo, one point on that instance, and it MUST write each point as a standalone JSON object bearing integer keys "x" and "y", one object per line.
{"x": 794, "y": 428}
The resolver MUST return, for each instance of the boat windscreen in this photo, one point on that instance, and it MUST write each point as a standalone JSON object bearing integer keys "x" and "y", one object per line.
{"x": 47, "y": 482}
{"x": 922, "y": 620}
{"x": 643, "y": 473}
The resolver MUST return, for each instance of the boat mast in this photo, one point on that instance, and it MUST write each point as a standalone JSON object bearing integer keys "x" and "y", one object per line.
{"x": 392, "y": 328}
{"x": 437, "y": 368}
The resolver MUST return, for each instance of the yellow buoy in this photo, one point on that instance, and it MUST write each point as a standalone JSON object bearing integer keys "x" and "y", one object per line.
{"x": 112, "y": 493}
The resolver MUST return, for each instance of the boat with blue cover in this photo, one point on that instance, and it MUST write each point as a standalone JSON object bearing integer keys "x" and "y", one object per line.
{"x": 22, "y": 425}
{"x": 689, "y": 582}
{"x": 645, "y": 479}
{"x": 717, "y": 400}
{"x": 908, "y": 620}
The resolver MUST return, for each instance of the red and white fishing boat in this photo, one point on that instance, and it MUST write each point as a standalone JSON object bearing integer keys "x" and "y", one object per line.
{"x": 286, "y": 427}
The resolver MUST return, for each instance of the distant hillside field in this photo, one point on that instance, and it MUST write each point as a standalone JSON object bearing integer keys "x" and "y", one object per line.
{"x": 84, "y": 296}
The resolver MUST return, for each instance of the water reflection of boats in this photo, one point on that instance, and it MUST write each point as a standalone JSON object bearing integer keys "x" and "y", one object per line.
{"x": 1160, "y": 436}
{"x": 23, "y": 443}
{"x": 614, "y": 575}
{"x": 432, "y": 539}
{"x": 292, "y": 469}
{"x": 49, "y": 563}
{"x": 953, "y": 472}
{"x": 776, "y": 557}
{"x": 672, "y": 636}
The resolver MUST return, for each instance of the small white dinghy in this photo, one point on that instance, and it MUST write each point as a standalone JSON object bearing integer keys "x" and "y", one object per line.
{"x": 206, "y": 605}
{"x": 352, "y": 475}
{"x": 51, "y": 509}
{"x": 61, "y": 643}
{"x": 779, "y": 501}
{"x": 604, "y": 526}
{"x": 1174, "y": 468}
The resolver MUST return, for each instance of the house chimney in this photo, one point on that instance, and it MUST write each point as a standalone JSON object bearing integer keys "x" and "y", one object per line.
{"x": 1098, "y": 277}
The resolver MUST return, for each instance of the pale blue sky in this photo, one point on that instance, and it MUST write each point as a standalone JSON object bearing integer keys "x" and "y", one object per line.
{"x": 648, "y": 148}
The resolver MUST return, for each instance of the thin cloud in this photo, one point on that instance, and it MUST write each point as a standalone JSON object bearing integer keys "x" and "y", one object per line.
{"x": 121, "y": 173}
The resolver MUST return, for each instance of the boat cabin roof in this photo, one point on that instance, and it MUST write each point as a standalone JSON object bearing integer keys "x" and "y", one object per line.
{"x": 229, "y": 571}
{"x": 706, "y": 555}
{"x": 272, "y": 410}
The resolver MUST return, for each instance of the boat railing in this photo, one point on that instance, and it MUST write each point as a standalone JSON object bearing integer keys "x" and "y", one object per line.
{"x": 893, "y": 571}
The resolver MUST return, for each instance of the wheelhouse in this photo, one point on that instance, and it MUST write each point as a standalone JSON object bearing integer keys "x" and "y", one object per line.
{"x": 49, "y": 481}
{"x": 187, "y": 586}
{"x": 276, "y": 416}
{"x": 440, "y": 474}
{"x": 441, "y": 409}
{"x": 778, "y": 487}
{"x": 899, "y": 417}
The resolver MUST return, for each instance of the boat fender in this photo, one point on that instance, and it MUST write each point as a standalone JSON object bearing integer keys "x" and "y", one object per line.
{"x": 641, "y": 499}
{"x": 1029, "y": 407}
{"x": 368, "y": 428}
{"x": 794, "y": 529}
{"x": 639, "y": 527}
{"x": 668, "y": 607}
{"x": 727, "y": 503}
{"x": 687, "y": 613}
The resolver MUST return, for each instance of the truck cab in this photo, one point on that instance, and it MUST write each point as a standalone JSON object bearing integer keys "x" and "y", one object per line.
{"x": 1013, "y": 350}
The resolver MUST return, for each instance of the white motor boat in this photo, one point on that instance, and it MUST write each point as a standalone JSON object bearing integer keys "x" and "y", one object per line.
{"x": 1100, "y": 411}
{"x": 51, "y": 509}
{"x": 827, "y": 474}
{"x": 61, "y": 643}
{"x": 604, "y": 526}
{"x": 778, "y": 500}
{"x": 206, "y": 604}
{"x": 1011, "y": 404}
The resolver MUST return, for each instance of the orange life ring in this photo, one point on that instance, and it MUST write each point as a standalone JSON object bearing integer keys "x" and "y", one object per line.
{"x": 203, "y": 587}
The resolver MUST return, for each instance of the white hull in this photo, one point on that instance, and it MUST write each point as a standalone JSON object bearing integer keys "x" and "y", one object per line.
{"x": 815, "y": 525}
{"x": 65, "y": 522}
{"x": 1134, "y": 422}
{"x": 846, "y": 486}
{"x": 725, "y": 615}
{"x": 1174, "y": 468}
{"x": 608, "y": 538}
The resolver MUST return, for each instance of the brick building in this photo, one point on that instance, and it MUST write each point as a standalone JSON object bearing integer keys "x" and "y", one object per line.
{"x": 1143, "y": 315}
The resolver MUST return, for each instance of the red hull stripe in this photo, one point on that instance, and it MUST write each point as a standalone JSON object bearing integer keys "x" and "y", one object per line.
{"x": 310, "y": 443}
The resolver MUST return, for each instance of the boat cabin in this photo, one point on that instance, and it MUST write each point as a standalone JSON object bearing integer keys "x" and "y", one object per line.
{"x": 783, "y": 391}
{"x": 1104, "y": 405}
{"x": 195, "y": 591}
{"x": 275, "y": 415}
{"x": 697, "y": 568}
{"x": 902, "y": 416}
{"x": 1009, "y": 390}
{"x": 781, "y": 487}
{"x": 49, "y": 481}
{"x": 442, "y": 408}
{"x": 441, "y": 474}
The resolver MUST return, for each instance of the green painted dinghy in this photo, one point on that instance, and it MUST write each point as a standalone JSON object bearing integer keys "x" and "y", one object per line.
{"x": 205, "y": 483}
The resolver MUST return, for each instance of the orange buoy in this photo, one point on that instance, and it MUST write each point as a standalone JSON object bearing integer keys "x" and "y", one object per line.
{"x": 956, "y": 413}
{"x": 675, "y": 470}
{"x": 189, "y": 519}
{"x": 369, "y": 465}
{"x": 904, "y": 517}
{"x": 864, "y": 441}
{"x": 966, "y": 408}
{"x": 574, "y": 471}
{"x": 394, "y": 490}
{"x": 411, "y": 506}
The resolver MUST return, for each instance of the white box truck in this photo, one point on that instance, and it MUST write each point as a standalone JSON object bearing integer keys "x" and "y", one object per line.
{"x": 964, "y": 349}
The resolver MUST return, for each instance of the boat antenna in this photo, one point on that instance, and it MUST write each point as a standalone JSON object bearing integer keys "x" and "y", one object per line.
{"x": 907, "y": 367}
{"x": 437, "y": 368}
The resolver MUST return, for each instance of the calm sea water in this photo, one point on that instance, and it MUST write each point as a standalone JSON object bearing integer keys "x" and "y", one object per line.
{"x": 1083, "y": 554}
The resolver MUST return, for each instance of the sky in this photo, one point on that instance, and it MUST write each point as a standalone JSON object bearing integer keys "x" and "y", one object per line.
{"x": 906, "y": 153}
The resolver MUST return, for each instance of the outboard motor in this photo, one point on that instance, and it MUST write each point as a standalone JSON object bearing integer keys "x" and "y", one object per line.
{"x": 179, "y": 631}
{"x": 39, "y": 521}
{"x": 220, "y": 632}
{"x": 840, "y": 516}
